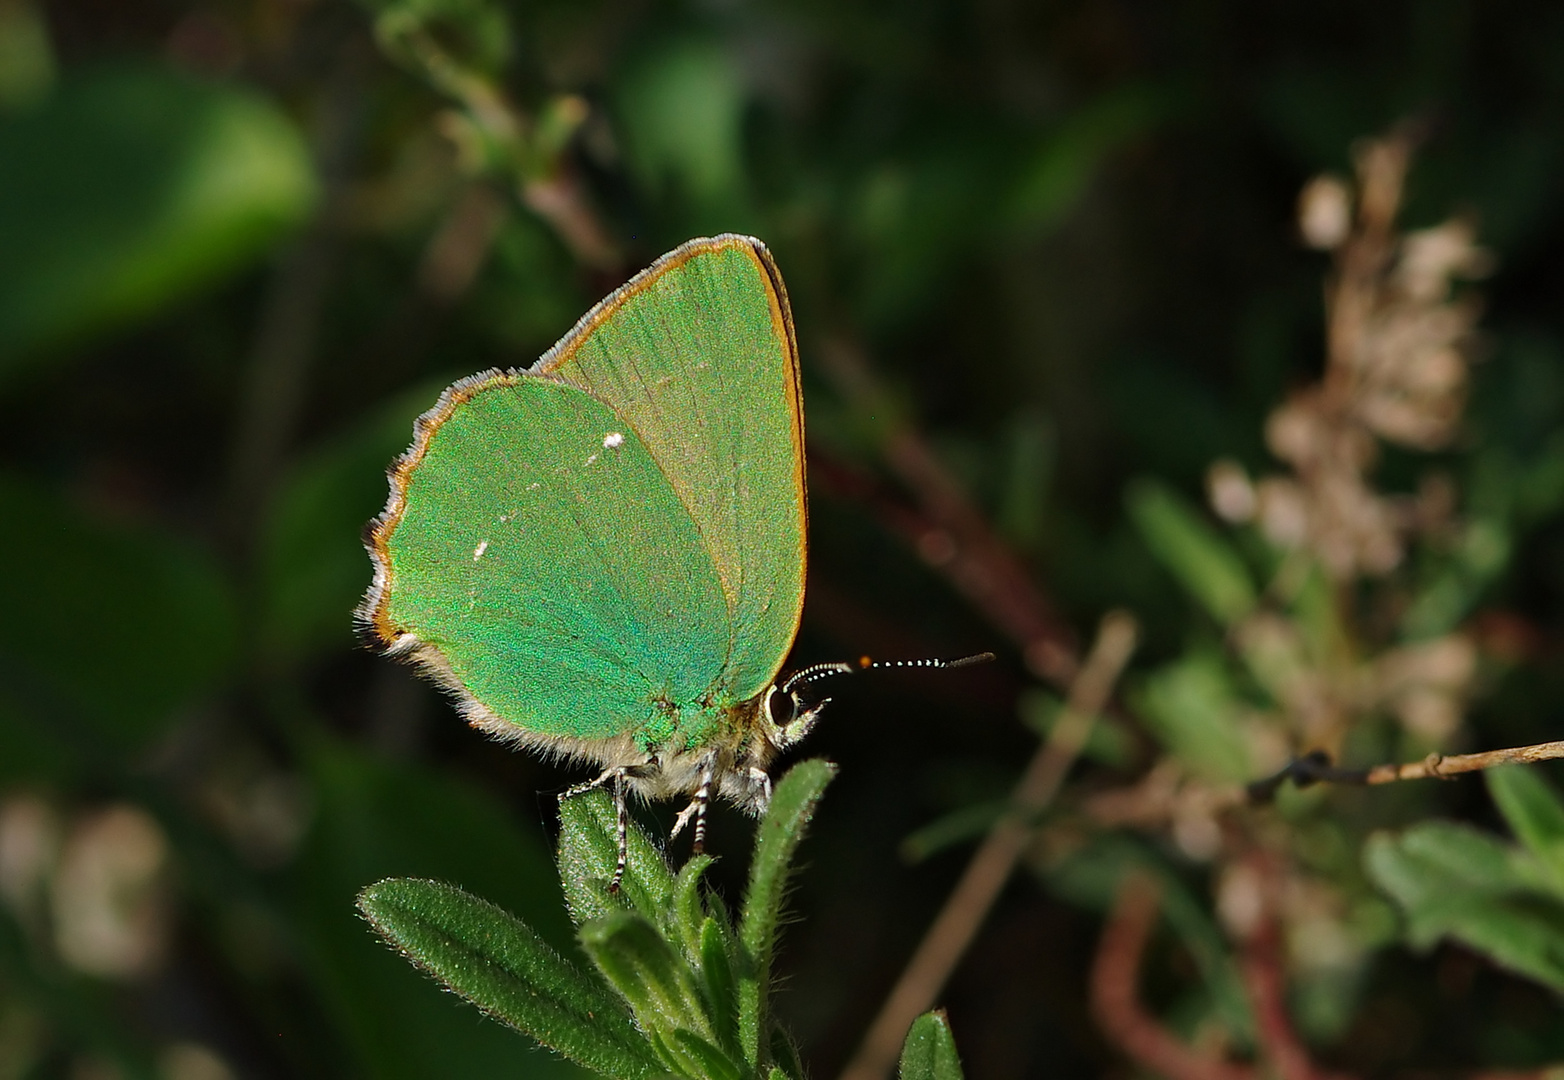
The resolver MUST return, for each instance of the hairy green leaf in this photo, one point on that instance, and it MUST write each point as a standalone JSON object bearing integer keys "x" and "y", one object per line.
{"x": 716, "y": 966}
{"x": 495, "y": 961}
{"x": 588, "y": 850}
{"x": 645, "y": 968}
{"x": 776, "y": 840}
{"x": 712, "y": 1062}
{"x": 930, "y": 1050}
{"x": 686, "y": 915}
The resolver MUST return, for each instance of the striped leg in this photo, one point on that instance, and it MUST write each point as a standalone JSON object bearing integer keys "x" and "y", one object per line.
{"x": 591, "y": 785}
{"x": 622, "y": 815}
{"x": 697, "y": 807}
{"x": 621, "y": 830}
{"x": 702, "y": 801}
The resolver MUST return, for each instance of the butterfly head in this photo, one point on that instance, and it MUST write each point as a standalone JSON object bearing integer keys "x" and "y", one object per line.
{"x": 791, "y": 707}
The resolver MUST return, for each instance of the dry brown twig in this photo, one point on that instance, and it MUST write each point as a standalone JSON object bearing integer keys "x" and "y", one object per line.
{"x": 1439, "y": 766}
{"x": 1316, "y": 768}
{"x": 1164, "y": 796}
{"x": 955, "y": 538}
{"x": 952, "y": 931}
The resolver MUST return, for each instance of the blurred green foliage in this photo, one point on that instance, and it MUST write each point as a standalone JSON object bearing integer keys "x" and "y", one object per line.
{"x": 244, "y": 242}
{"x": 162, "y": 185}
{"x": 1504, "y": 900}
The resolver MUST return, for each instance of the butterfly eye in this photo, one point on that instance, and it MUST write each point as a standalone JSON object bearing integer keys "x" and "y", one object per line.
{"x": 781, "y": 707}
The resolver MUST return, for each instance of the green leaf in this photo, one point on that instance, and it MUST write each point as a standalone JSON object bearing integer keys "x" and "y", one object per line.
{"x": 1533, "y": 810}
{"x": 495, "y": 961}
{"x": 129, "y": 187}
{"x": 1433, "y": 859}
{"x": 1191, "y": 707}
{"x": 1205, "y": 564}
{"x": 687, "y": 916}
{"x": 647, "y": 971}
{"x": 1526, "y": 936}
{"x": 930, "y": 1050}
{"x": 588, "y": 852}
{"x": 777, "y": 838}
{"x": 716, "y": 967}
{"x": 712, "y": 1063}
{"x": 1451, "y": 880}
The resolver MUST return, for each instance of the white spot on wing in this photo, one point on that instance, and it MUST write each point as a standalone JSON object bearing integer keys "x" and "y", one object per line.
{"x": 613, "y": 440}
{"x": 477, "y": 552}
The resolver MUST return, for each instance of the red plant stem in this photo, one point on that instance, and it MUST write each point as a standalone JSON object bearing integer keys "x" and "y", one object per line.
{"x": 1264, "y": 978}
{"x": 1115, "y": 998}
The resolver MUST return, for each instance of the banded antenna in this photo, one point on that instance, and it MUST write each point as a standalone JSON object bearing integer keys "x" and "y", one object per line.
{"x": 814, "y": 673}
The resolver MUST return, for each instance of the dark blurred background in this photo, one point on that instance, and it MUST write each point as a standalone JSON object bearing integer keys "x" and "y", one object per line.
{"x": 244, "y": 242}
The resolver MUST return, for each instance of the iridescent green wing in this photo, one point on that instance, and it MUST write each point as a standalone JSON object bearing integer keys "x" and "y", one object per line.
{"x": 697, "y": 354}
{"x": 537, "y": 561}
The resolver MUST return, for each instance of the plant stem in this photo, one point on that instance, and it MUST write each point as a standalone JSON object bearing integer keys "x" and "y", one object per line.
{"x": 1438, "y": 766}
{"x": 1316, "y": 768}
{"x": 1116, "y": 1002}
{"x": 969, "y": 903}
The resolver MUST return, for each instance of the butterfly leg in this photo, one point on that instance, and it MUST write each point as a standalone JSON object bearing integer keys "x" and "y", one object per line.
{"x": 762, "y": 783}
{"x": 592, "y": 785}
{"x": 697, "y": 807}
{"x": 621, "y": 830}
{"x": 617, "y": 775}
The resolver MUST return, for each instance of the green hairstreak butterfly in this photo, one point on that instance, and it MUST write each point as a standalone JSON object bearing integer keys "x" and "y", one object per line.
{"x": 601, "y": 556}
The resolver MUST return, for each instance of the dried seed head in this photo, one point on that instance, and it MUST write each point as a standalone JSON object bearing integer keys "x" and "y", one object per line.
{"x": 1325, "y": 212}
{"x": 1232, "y": 495}
{"x": 110, "y": 897}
